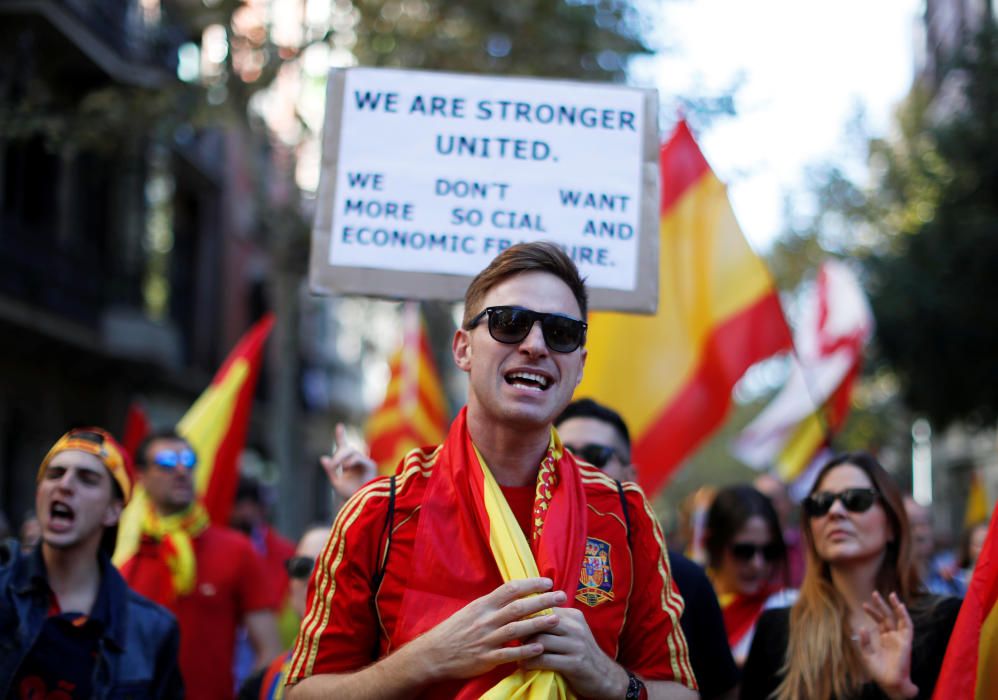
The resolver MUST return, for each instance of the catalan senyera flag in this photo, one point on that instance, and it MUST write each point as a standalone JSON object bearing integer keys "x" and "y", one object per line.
{"x": 670, "y": 375}
{"x": 835, "y": 326}
{"x": 215, "y": 425}
{"x": 414, "y": 412}
{"x": 969, "y": 669}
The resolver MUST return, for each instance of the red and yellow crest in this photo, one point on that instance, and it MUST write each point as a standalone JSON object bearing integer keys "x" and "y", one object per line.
{"x": 596, "y": 576}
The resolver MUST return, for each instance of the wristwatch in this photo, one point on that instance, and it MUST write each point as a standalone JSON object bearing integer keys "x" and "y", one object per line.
{"x": 635, "y": 688}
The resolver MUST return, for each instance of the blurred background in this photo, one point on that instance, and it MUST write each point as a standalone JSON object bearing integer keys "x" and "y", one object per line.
{"x": 159, "y": 161}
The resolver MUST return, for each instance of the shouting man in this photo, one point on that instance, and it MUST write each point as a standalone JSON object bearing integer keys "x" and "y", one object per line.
{"x": 70, "y": 627}
{"x": 503, "y": 565}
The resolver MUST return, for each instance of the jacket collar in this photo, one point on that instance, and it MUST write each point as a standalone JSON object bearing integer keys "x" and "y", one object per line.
{"x": 110, "y": 606}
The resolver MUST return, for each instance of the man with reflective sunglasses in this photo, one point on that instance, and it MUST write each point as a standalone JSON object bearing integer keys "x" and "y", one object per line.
{"x": 69, "y": 625}
{"x": 599, "y": 435}
{"x": 210, "y": 576}
{"x": 501, "y": 567}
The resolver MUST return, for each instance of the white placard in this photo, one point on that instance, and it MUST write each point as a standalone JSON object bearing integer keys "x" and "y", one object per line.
{"x": 428, "y": 176}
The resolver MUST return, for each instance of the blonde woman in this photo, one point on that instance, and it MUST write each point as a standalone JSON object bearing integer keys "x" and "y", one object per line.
{"x": 863, "y": 627}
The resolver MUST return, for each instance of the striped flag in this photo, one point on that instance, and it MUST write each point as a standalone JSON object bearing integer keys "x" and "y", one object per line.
{"x": 670, "y": 375}
{"x": 414, "y": 411}
{"x": 969, "y": 668}
{"x": 793, "y": 430}
{"x": 215, "y": 425}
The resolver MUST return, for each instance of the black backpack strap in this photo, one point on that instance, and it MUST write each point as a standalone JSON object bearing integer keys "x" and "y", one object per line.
{"x": 385, "y": 543}
{"x": 626, "y": 511}
{"x": 386, "y": 538}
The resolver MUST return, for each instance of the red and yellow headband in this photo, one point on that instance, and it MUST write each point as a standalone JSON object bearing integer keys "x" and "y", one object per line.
{"x": 101, "y": 444}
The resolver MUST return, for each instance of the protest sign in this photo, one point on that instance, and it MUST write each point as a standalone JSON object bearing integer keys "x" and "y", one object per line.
{"x": 428, "y": 176}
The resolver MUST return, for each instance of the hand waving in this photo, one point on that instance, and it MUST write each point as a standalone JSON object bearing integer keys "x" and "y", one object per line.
{"x": 886, "y": 652}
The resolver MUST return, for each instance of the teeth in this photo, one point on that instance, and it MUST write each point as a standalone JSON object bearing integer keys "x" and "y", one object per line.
{"x": 530, "y": 377}
{"x": 61, "y": 510}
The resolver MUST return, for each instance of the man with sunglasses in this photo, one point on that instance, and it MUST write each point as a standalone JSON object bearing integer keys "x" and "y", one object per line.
{"x": 211, "y": 577}
{"x": 597, "y": 434}
{"x": 496, "y": 564}
{"x": 69, "y": 625}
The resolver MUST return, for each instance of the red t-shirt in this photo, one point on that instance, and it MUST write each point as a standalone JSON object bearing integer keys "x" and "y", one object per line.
{"x": 628, "y": 600}
{"x": 230, "y": 583}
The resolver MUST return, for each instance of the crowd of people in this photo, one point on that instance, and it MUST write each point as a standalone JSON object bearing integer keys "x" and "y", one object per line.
{"x": 518, "y": 558}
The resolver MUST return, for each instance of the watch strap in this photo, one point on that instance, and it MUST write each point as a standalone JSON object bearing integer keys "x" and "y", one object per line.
{"x": 635, "y": 688}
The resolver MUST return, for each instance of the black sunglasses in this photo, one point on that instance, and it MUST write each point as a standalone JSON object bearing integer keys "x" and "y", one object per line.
{"x": 511, "y": 324}
{"x": 596, "y": 455}
{"x": 853, "y": 500}
{"x": 746, "y": 551}
{"x": 299, "y": 567}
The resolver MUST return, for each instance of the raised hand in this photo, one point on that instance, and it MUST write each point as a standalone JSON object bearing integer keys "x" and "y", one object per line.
{"x": 886, "y": 652}
{"x": 476, "y": 638}
{"x": 348, "y": 468}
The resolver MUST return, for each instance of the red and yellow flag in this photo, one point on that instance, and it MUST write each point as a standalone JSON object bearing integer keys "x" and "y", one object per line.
{"x": 414, "y": 412}
{"x": 215, "y": 425}
{"x": 969, "y": 669}
{"x": 671, "y": 375}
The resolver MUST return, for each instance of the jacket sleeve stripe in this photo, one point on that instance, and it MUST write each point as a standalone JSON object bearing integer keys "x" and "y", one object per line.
{"x": 306, "y": 647}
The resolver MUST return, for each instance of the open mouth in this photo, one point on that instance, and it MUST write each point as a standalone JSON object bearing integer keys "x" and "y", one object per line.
{"x": 61, "y": 515}
{"x": 531, "y": 381}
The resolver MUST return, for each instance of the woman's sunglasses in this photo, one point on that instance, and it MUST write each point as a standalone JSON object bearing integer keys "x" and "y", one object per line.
{"x": 596, "y": 455}
{"x": 511, "y": 324}
{"x": 299, "y": 567}
{"x": 746, "y": 551}
{"x": 853, "y": 500}
{"x": 171, "y": 459}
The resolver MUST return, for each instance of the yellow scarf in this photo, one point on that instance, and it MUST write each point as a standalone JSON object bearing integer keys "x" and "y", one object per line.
{"x": 516, "y": 561}
{"x": 175, "y": 533}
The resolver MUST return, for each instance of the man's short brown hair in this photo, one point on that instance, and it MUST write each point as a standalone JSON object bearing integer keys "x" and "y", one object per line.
{"x": 536, "y": 256}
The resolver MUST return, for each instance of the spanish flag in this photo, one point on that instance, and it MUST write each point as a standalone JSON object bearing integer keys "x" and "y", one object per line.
{"x": 670, "y": 375}
{"x": 969, "y": 668}
{"x": 215, "y": 425}
{"x": 414, "y": 412}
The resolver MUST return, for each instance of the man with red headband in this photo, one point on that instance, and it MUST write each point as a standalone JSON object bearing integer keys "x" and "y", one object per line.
{"x": 69, "y": 625}
{"x": 496, "y": 565}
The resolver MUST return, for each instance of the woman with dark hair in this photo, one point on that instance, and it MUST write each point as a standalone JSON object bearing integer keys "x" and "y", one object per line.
{"x": 745, "y": 549}
{"x": 850, "y": 633}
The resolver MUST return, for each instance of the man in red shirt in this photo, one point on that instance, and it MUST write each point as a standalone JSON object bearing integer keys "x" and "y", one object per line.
{"x": 210, "y": 577}
{"x": 587, "y": 607}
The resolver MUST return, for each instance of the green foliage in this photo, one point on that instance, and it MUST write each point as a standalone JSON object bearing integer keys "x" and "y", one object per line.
{"x": 926, "y": 230}
{"x": 562, "y": 38}
{"x": 933, "y": 287}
